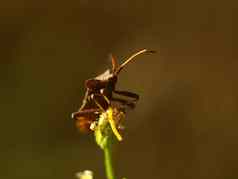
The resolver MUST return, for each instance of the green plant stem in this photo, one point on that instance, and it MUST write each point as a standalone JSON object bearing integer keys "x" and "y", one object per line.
{"x": 108, "y": 161}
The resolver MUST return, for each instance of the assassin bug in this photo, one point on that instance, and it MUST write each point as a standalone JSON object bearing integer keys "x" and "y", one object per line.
{"x": 100, "y": 88}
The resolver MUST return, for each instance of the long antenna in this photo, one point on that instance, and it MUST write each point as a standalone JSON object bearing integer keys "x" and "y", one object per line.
{"x": 131, "y": 58}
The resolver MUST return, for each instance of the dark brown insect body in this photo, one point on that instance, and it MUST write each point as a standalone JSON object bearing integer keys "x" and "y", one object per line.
{"x": 100, "y": 88}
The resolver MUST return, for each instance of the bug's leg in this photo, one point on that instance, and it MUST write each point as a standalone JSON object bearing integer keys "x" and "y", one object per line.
{"x": 94, "y": 98}
{"x": 128, "y": 94}
{"x": 85, "y": 100}
{"x": 84, "y": 112}
{"x": 110, "y": 116}
{"x": 124, "y": 102}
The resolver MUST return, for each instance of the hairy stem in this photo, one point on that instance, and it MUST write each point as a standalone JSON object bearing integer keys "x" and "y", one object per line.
{"x": 108, "y": 161}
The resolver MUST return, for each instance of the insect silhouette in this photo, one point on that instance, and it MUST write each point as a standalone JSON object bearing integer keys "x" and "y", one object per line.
{"x": 100, "y": 93}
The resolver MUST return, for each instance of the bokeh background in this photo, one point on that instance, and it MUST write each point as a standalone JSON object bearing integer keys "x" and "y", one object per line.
{"x": 185, "y": 124}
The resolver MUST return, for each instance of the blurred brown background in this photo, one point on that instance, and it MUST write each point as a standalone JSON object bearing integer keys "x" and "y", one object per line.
{"x": 185, "y": 124}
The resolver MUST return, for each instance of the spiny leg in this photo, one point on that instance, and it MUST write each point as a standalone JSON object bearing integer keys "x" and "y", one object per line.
{"x": 94, "y": 96}
{"x": 85, "y": 111}
{"x": 110, "y": 116}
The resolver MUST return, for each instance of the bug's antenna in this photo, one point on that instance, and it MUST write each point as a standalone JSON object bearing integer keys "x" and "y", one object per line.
{"x": 131, "y": 58}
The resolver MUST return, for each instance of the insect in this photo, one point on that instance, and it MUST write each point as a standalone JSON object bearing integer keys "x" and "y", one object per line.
{"x": 99, "y": 89}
